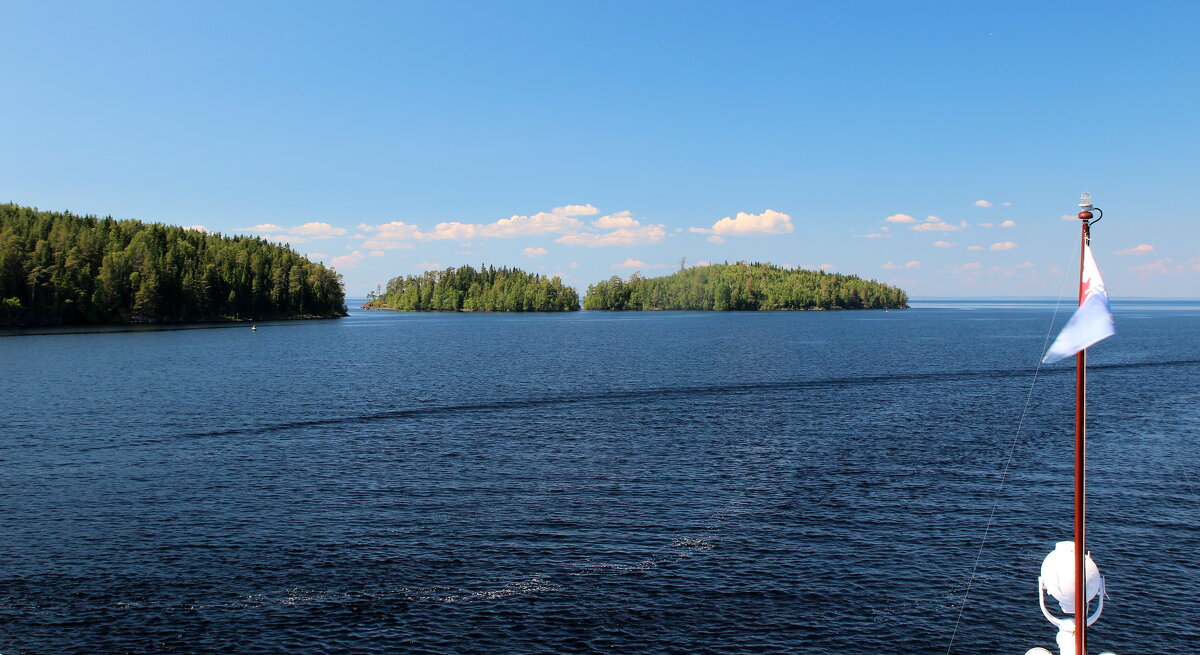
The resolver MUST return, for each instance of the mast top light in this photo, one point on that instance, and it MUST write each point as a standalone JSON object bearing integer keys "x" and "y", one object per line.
{"x": 1085, "y": 202}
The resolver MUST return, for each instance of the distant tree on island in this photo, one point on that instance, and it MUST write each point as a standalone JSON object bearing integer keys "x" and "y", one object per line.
{"x": 465, "y": 289}
{"x": 58, "y": 268}
{"x": 742, "y": 286}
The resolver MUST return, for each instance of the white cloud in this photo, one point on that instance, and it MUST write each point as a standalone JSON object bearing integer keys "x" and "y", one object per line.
{"x": 716, "y": 239}
{"x": 429, "y": 266}
{"x": 347, "y": 261}
{"x": 935, "y": 224}
{"x": 891, "y": 266}
{"x": 1009, "y": 223}
{"x": 285, "y": 238}
{"x": 456, "y": 231}
{"x": 987, "y": 225}
{"x": 380, "y": 244}
{"x": 1013, "y": 271}
{"x": 974, "y": 247}
{"x": 913, "y": 264}
{"x": 298, "y": 234}
{"x": 631, "y": 263}
{"x": 699, "y": 230}
{"x": 318, "y": 230}
{"x": 1006, "y": 204}
{"x": 768, "y": 222}
{"x": 575, "y": 210}
{"x": 617, "y": 220}
{"x": 533, "y": 252}
{"x": 1166, "y": 266}
{"x": 944, "y": 244}
{"x": 196, "y": 228}
{"x": 375, "y": 253}
{"x": 539, "y": 223}
{"x": 574, "y": 265}
{"x": 1024, "y": 273}
{"x": 968, "y": 268}
{"x": 559, "y": 220}
{"x": 316, "y": 255}
{"x": 626, "y": 236}
{"x": 1143, "y": 249}
{"x": 982, "y": 203}
{"x": 885, "y": 229}
{"x": 900, "y": 218}
{"x": 1003, "y": 245}
{"x": 826, "y": 267}
{"x": 873, "y": 235}
{"x": 395, "y": 234}
{"x": 1069, "y": 217}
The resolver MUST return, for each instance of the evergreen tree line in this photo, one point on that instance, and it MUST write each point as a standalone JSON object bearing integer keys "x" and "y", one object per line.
{"x": 488, "y": 289}
{"x": 742, "y": 286}
{"x": 59, "y": 268}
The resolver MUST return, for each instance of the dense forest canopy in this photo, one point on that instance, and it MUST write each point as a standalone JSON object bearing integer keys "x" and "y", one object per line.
{"x": 742, "y": 286}
{"x": 488, "y": 289}
{"x": 59, "y": 268}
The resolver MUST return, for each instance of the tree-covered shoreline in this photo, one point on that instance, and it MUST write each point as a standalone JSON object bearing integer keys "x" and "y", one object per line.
{"x": 743, "y": 287}
{"x": 465, "y": 289}
{"x": 57, "y": 268}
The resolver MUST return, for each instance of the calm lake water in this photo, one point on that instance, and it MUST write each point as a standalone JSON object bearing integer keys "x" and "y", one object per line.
{"x": 670, "y": 482}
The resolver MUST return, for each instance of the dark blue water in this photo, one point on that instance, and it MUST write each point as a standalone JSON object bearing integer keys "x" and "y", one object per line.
{"x": 815, "y": 482}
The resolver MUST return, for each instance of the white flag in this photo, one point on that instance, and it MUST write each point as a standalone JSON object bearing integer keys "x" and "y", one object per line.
{"x": 1093, "y": 320}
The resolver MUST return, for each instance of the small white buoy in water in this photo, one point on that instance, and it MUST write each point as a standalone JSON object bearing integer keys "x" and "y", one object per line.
{"x": 254, "y": 328}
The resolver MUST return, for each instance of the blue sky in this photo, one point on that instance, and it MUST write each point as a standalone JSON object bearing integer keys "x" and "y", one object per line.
{"x": 593, "y": 139}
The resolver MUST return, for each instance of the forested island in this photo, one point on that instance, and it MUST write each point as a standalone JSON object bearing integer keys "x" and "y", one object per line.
{"x": 742, "y": 286}
{"x": 464, "y": 289}
{"x": 57, "y": 268}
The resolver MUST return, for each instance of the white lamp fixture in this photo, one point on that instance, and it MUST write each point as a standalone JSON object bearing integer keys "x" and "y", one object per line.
{"x": 1085, "y": 202}
{"x": 1058, "y": 578}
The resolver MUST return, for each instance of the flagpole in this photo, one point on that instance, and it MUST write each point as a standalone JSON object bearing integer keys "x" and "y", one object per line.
{"x": 1080, "y": 460}
{"x": 1091, "y": 323}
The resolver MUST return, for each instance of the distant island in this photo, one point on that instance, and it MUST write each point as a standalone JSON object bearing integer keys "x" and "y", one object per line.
{"x": 464, "y": 289}
{"x": 57, "y": 268}
{"x": 744, "y": 287}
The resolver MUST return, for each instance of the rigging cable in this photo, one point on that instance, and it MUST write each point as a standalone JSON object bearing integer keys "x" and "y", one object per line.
{"x": 1004, "y": 474}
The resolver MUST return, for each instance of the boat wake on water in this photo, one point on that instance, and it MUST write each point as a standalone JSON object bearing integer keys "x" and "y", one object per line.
{"x": 660, "y": 393}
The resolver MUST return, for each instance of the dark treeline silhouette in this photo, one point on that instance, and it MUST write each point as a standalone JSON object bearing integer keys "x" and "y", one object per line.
{"x": 488, "y": 289}
{"x": 742, "y": 286}
{"x": 59, "y": 268}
